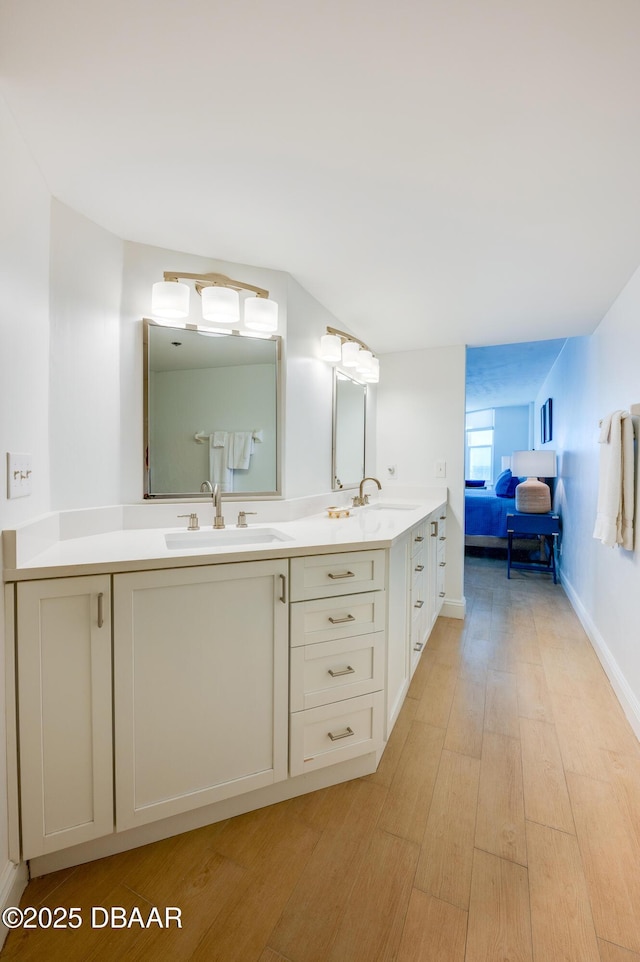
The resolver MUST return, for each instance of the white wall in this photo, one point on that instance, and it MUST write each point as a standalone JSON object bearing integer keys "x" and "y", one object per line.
{"x": 511, "y": 433}
{"x": 84, "y": 412}
{"x": 421, "y": 418}
{"x": 24, "y": 366}
{"x": 593, "y": 376}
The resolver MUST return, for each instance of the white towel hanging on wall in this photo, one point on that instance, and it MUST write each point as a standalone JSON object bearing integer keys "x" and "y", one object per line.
{"x": 616, "y": 483}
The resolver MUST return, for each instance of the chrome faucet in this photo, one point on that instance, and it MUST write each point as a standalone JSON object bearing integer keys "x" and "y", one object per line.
{"x": 216, "y": 494}
{"x": 362, "y": 499}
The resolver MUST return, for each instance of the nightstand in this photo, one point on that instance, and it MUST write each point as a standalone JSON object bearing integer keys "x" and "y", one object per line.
{"x": 544, "y": 526}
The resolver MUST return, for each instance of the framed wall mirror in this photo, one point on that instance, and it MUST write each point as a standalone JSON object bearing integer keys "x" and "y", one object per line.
{"x": 349, "y": 431}
{"x": 211, "y": 412}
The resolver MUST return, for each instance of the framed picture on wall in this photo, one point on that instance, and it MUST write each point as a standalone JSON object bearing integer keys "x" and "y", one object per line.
{"x": 546, "y": 421}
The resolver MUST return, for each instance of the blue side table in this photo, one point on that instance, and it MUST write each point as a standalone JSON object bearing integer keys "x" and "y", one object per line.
{"x": 543, "y": 525}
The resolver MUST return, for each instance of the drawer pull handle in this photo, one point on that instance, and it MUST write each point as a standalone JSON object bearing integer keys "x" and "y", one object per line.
{"x": 443, "y": 517}
{"x": 345, "y": 734}
{"x": 443, "y": 564}
{"x": 443, "y": 537}
{"x": 418, "y": 604}
{"x": 419, "y": 568}
{"x": 337, "y": 672}
{"x": 343, "y": 574}
{"x": 419, "y": 646}
{"x": 442, "y": 593}
{"x": 283, "y": 589}
{"x": 100, "y": 610}
{"x": 341, "y": 621}
{"x": 419, "y": 538}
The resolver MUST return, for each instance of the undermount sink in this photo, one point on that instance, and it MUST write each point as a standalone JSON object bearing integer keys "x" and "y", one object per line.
{"x": 220, "y": 538}
{"x": 380, "y": 506}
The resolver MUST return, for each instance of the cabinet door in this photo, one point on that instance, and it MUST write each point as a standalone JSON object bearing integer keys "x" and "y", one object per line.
{"x": 201, "y": 696}
{"x": 399, "y": 629}
{"x": 65, "y": 719}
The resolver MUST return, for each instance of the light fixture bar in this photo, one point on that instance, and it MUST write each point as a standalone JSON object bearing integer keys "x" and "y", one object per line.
{"x": 215, "y": 280}
{"x": 347, "y": 337}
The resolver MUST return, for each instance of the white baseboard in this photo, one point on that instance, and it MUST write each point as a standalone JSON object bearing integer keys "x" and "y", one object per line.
{"x": 13, "y": 882}
{"x": 454, "y": 608}
{"x": 624, "y": 693}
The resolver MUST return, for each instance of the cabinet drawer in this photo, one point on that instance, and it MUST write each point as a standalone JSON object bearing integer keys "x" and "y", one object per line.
{"x": 334, "y": 670}
{"x": 334, "y": 733}
{"x": 330, "y": 618}
{"x": 323, "y": 576}
{"x": 419, "y": 536}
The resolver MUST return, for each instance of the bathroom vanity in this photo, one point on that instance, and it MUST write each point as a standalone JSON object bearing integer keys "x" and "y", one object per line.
{"x": 160, "y": 688}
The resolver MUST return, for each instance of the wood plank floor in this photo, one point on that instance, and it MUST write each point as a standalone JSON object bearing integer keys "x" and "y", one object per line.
{"x": 502, "y": 825}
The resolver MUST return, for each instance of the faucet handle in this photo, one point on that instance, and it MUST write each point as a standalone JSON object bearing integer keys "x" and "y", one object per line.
{"x": 242, "y": 518}
{"x": 193, "y": 521}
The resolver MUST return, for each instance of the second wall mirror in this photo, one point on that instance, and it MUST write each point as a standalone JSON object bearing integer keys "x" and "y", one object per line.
{"x": 349, "y": 430}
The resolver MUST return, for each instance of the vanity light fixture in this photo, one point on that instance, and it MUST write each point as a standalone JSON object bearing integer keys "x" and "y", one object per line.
{"x": 336, "y": 347}
{"x": 220, "y": 300}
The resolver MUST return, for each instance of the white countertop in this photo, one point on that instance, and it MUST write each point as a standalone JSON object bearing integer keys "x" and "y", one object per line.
{"x": 135, "y": 549}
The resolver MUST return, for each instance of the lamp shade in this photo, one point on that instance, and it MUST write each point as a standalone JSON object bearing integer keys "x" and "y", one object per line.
{"x": 260, "y": 314}
{"x": 330, "y": 347}
{"x": 350, "y": 350}
{"x": 221, "y": 305}
{"x": 373, "y": 374}
{"x": 363, "y": 361}
{"x": 170, "y": 299}
{"x": 533, "y": 464}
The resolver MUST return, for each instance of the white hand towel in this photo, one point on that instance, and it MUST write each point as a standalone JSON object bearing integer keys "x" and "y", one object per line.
{"x": 219, "y": 472}
{"x": 240, "y": 449}
{"x": 616, "y": 485}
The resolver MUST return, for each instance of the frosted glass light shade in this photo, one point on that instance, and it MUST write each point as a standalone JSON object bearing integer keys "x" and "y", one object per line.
{"x": 170, "y": 299}
{"x": 220, "y": 305}
{"x": 350, "y": 351}
{"x": 533, "y": 464}
{"x": 364, "y": 359}
{"x": 373, "y": 375}
{"x": 330, "y": 347}
{"x": 260, "y": 314}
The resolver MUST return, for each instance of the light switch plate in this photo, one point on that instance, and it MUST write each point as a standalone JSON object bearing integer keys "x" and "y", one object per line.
{"x": 441, "y": 469}
{"x": 19, "y": 473}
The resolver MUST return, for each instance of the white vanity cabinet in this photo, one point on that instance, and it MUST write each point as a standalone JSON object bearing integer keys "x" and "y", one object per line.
{"x": 200, "y": 686}
{"x": 398, "y": 628}
{"x": 421, "y": 596}
{"x": 440, "y": 561}
{"x": 65, "y": 720}
{"x": 338, "y": 652}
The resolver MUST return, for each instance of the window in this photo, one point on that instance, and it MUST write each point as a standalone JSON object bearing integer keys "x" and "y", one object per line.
{"x": 479, "y": 448}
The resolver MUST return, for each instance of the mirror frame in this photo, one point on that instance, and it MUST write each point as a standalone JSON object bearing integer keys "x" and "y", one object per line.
{"x": 147, "y": 324}
{"x": 334, "y": 438}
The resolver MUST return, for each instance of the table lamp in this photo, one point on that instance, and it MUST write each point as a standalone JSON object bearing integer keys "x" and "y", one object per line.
{"x": 533, "y": 496}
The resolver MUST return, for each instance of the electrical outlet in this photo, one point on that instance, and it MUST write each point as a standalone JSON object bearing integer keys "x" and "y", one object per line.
{"x": 19, "y": 473}
{"x": 441, "y": 469}
{"x": 392, "y": 472}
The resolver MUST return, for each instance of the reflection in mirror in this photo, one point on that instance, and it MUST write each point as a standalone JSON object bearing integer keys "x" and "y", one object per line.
{"x": 349, "y": 423}
{"x": 211, "y": 412}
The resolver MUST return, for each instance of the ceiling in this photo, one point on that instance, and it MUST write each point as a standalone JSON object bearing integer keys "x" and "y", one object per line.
{"x": 508, "y": 373}
{"x": 433, "y": 171}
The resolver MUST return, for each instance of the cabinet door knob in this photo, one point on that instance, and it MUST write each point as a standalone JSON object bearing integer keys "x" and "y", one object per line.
{"x": 342, "y": 574}
{"x": 341, "y": 621}
{"x": 345, "y": 734}
{"x": 337, "y": 672}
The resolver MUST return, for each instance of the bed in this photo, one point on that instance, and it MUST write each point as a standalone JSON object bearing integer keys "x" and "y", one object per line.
{"x": 485, "y": 517}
